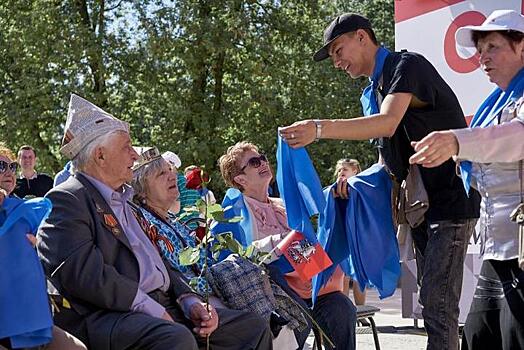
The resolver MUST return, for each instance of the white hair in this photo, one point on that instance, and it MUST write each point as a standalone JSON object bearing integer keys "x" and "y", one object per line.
{"x": 86, "y": 154}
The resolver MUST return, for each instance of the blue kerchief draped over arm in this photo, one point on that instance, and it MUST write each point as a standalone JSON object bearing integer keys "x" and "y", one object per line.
{"x": 25, "y": 316}
{"x": 358, "y": 233}
{"x": 369, "y": 99}
{"x": 488, "y": 111}
{"x": 234, "y": 205}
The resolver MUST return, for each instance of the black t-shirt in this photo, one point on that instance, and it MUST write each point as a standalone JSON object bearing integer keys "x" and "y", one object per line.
{"x": 37, "y": 187}
{"x": 412, "y": 73}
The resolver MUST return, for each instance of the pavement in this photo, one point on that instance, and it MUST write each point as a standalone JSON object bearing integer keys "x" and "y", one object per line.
{"x": 394, "y": 332}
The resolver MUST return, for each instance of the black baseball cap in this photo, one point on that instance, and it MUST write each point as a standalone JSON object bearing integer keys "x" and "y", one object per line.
{"x": 348, "y": 22}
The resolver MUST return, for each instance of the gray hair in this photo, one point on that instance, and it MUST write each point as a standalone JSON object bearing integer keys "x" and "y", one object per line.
{"x": 84, "y": 157}
{"x": 141, "y": 175}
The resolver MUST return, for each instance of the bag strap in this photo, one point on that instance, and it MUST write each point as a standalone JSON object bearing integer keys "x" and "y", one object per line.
{"x": 520, "y": 178}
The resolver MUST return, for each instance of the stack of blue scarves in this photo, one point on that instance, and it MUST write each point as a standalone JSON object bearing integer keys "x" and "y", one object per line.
{"x": 25, "y": 316}
{"x": 358, "y": 233}
{"x": 488, "y": 112}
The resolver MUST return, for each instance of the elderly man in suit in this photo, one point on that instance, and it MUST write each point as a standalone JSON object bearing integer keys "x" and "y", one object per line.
{"x": 117, "y": 291}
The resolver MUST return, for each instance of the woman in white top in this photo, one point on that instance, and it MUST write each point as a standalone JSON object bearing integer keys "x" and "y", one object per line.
{"x": 490, "y": 153}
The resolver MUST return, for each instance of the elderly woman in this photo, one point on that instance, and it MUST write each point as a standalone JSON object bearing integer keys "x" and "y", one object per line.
{"x": 60, "y": 339}
{"x": 490, "y": 153}
{"x": 156, "y": 191}
{"x": 244, "y": 168}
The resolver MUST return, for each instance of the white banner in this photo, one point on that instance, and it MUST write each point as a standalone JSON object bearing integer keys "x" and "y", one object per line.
{"x": 428, "y": 27}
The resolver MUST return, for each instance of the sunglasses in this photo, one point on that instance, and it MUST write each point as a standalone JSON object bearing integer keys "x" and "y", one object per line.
{"x": 4, "y": 165}
{"x": 255, "y": 162}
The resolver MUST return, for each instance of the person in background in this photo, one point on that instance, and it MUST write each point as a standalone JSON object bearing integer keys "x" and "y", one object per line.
{"x": 194, "y": 172}
{"x": 490, "y": 155}
{"x": 63, "y": 174}
{"x": 344, "y": 169}
{"x": 30, "y": 182}
{"x": 188, "y": 197}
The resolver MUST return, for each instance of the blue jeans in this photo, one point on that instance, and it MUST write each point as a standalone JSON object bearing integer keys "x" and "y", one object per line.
{"x": 440, "y": 250}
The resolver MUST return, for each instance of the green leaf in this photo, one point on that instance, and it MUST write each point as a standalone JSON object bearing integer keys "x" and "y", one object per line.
{"x": 233, "y": 245}
{"x": 189, "y": 256}
{"x": 193, "y": 282}
{"x": 261, "y": 257}
{"x": 234, "y": 219}
{"x": 215, "y": 208}
{"x": 249, "y": 251}
{"x": 216, "y": 215}
{"x": 191, "y": 209}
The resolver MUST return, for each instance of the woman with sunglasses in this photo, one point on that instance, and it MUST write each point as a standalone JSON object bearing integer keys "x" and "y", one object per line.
{"x": 60, "y": 339}
{"x": 8, "y": 168}
{"x": 244, "y": 168}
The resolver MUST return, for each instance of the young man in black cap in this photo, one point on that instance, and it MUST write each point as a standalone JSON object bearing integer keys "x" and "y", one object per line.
{"x": 406, "y": 100}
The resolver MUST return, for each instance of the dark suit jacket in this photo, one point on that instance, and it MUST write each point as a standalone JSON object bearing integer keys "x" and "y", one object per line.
{"x": 91, "y": 265}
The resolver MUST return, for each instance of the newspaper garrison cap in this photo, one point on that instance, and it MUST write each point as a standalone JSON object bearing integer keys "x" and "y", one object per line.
{"x": 86, "y": 122}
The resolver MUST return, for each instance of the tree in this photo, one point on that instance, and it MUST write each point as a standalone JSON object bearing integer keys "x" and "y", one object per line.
{"x": 191, "y": 76}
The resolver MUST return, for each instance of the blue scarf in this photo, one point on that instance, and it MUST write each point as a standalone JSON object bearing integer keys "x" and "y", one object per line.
{"x": 488, "y": 111}
{"x": 358, "y": 233}
{"x": 369, "y": 99}
{"x": 25, "y": 315}
{"x": 300, "y": 188}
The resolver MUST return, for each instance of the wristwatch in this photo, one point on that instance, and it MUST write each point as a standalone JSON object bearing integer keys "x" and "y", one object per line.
{"x": 318, "y": 126}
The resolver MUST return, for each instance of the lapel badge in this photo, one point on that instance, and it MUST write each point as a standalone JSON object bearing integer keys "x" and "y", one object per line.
{"x": 98, "y": 208}
{"x": 110, "y": 221}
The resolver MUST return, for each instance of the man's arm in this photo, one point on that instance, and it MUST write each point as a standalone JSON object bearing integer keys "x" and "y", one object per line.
{"x": 383, "y": 124}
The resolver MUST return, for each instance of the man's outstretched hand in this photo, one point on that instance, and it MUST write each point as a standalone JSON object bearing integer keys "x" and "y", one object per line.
{"x": 299, "y": 134}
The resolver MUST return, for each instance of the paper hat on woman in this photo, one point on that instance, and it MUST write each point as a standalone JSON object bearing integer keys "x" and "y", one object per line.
{"x": 146, "y": 156}
{"x": 86, "y": 122}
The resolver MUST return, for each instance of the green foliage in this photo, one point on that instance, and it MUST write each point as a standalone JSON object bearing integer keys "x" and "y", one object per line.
{"x": 193, "y": 77}
{"x": 189, "y": 256}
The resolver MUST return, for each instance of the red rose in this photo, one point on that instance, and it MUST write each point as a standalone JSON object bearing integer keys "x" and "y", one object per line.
{"x": 195, "y": 178}
{"x": 200, "y": 232}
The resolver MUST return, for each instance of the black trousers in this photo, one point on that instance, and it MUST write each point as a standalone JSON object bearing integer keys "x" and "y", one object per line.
{"x": 109, "y": 330}
{"x": 496, "y": 317}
